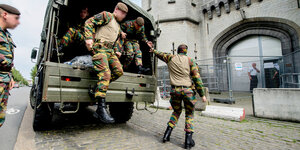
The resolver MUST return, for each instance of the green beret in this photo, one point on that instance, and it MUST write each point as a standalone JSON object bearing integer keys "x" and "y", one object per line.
{"x": 10, "y": 9}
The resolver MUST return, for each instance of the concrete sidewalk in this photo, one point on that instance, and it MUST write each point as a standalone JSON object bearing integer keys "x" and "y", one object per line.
{"x": 25, "y": 140}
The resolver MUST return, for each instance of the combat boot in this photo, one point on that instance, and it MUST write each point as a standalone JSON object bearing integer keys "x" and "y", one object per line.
{"x": 189, "y": 142}
{"x": 167, "y": 134}
{"x": 101, "y": 112}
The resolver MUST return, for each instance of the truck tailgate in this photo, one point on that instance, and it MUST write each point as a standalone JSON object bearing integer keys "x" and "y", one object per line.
{"x": 71, "y": 85}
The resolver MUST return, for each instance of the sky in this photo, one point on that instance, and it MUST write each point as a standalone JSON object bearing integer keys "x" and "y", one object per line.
{"x": 27, "y": 35}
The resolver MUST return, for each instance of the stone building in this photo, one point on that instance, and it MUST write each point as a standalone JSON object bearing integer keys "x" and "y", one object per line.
{"x": 240, "y": 31}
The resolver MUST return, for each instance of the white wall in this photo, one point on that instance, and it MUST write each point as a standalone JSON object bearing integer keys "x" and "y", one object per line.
{"x": 283, "y": 104}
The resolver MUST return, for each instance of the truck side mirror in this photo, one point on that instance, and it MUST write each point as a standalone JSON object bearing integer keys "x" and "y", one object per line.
{"x": 33, "y": 53}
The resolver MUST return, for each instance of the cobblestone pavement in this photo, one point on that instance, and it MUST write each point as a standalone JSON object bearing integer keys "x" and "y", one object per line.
{"x": 144, "y": 131}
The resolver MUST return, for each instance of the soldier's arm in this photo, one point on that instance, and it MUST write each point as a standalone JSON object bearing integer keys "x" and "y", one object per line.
{"x": 124, "y": 26}
{"x": 102, "y": 18}
{"x": 166, "y": 57}
{"x": 118, "y": 47}
{"x": 142, "y": 34}
{"x": 3, "y": 48}
{"x": 3, "y": 61}
{"x": 196, "y": 77}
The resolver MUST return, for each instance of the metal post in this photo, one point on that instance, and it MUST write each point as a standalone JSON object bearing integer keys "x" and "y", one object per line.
{"x": 208, "y": 77}
{"x": 173, "y": 50}
{"x": 195, "y": 52}
{"x": 164, "y": 81}
{"x": 262, "y": 70}
{"x": 229, "y": 78}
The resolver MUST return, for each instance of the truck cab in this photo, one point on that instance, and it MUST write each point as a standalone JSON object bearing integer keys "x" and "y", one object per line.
{"x": 59, "y": 83}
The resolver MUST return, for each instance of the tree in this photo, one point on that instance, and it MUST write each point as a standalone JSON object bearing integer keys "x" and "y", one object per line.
{"x": 33, "y": 73}
{"x": 17, "y": 76}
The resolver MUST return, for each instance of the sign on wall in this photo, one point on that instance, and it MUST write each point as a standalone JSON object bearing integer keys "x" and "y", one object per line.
{"x": 238, "y": 66}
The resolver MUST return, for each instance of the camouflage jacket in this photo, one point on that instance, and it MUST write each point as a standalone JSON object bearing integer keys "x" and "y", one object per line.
{"x": 98, "y": 20}
{"x": 194, "y": 72}
{"x": 129, "y": 29}
{"x": 79, "y": 25}
{"x": 6, "y": 55}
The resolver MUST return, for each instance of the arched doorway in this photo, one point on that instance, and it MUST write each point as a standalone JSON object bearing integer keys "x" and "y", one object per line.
{"x": 283, "y": 30}
{"x": 265, "y": 51}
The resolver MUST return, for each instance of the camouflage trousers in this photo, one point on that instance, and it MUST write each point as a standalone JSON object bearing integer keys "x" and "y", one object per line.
{"x": 3, "y": 101}
{"x": 72, "y": 35}
{"x": 107, "y": 66}
{"x": 187, "y": 95}
{"x": 132, "y": 49}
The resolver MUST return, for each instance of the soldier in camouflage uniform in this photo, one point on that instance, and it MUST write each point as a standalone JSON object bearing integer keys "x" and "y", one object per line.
{"x": 101, "y": 33}
{"x": 9, "y": 19}
{"x": 76, "y": 32}
{"x": 134, "y": 29}
{"x": 183, "y": 71}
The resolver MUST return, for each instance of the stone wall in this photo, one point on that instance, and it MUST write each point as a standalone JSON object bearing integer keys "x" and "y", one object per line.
{"x": 179, "y": 22}
{"x": 214, "y": 25}
{"x": 286, "y": 12}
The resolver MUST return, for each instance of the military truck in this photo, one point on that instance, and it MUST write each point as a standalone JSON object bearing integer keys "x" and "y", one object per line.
{"x": 57, "y": 83}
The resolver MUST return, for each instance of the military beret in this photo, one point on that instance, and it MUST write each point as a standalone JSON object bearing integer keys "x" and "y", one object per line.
{"x": 122, "y": 7}
{"x": 10, "y": 9}
{"x": 140, "y": 21}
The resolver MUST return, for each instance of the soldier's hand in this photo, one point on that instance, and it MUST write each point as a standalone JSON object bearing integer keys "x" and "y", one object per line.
{"x": 151, "y": 50}
{"x": 118, "y": 54}
{"x": 150, "y": 44}
{"x": 123, "y": 35}
{"x": 89, "y": 44}
{"x": 11, "y": 84}
{"x": 204, "y": 99}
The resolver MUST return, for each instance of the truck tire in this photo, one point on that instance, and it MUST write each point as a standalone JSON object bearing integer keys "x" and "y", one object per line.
{"x": 32, "y": 97}
{"x": 42, "y": 116}
{"x": 121, "y": 111}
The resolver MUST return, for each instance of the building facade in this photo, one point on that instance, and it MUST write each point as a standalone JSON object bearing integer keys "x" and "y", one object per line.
{"x": 240, "y": 31}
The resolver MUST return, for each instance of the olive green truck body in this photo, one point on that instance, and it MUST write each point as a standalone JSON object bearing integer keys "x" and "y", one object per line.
{"x": 56, "y": 82}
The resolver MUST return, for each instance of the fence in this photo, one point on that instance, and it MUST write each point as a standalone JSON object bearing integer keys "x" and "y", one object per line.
{"x": 227, "y": 77}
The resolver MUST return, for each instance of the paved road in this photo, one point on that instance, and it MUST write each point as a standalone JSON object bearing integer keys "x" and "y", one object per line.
{"x": 144, "y": 131}
{"x": 17, "y": 104}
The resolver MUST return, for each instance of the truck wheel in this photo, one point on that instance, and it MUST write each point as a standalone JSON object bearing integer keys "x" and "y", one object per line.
{"x": 42, "y": 116}
{"x": 121, "y": 111}
{"x": 32, "y": 97}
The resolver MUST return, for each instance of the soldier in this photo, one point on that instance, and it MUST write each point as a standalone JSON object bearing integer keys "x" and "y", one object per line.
{"x": 106, "y": 28}
{"x": 181, "y": 67}
{"x": 134, "y": 29}
{"x": 9, "y": 19}
{"x": 76, "y": 32}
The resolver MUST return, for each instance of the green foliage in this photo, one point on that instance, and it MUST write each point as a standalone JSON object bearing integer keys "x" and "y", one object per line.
{"x": 18, "y": 77}
{"x": 33, "y": 73}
